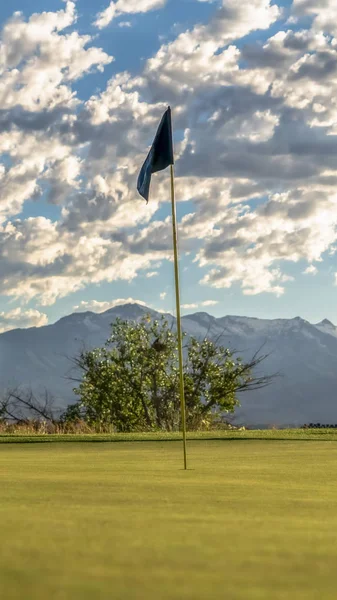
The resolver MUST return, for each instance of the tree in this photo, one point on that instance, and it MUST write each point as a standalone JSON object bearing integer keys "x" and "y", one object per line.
{"x": 21, "y": 405}
{"x": 132, "y": 382}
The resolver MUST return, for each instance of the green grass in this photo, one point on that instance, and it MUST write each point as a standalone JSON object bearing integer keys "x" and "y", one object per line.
{"x": 249, "y": 520}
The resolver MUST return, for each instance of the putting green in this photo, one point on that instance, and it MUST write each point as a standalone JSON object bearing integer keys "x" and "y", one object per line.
{"x": 251, "y": 519}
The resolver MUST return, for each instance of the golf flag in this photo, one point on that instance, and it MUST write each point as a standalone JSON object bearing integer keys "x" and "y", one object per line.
{"x": 160, "y": 155}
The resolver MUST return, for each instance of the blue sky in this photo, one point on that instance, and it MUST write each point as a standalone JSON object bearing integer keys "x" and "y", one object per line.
{"x": 81, "y": 92}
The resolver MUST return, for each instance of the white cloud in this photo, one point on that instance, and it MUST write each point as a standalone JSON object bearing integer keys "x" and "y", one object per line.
{"x": 99, "y": 307}
{"x": 152, "y": 274}
{"x": 188, "y": 306}
{"x": 194, "y": 58}
{"x": 163, "y": 295}
{"x": 38, "y": 62}
{"x": 209, "y": 303}
{"x": 311, "y": 270}
{"x": 259, "y": 127}
{"x": 250, "y": 244}
{"x": 256, "y": 155}
{"x": 124, "y": 24}
{"x": 121, "y": 7}
{"x": 19, "y": 318}
{"x": 324, "y": 12}
{"x": 41, "y": 259}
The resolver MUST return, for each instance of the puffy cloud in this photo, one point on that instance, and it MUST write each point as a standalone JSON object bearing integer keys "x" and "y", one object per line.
{"x": 38, "y": 61}
{"x": 209, "y": 303}
{"x": 249, "y": 247}
{"x": 38, "y": 64}
{"x": 310, "y": 270}
{"x": 200, "y": 56}
{"x": 196, "y": 305}
{"x": 20, "y": 39}
{"x": 163, "y": 295}
{"x": 324, "y": 12}
{"x": 189, "y": 306}
{"x": 40, "y": 260}
{"x": 17, "y": 317}
{"x": 35, "y": 160}
{"x": 115, "y": 9}
{"x": 256, "y": 156}
{"x": 151, "y": 274}
{"x": 256, "y": 276}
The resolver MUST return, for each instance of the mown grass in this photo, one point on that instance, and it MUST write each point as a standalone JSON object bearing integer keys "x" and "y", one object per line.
{"x": 255, "y": 519}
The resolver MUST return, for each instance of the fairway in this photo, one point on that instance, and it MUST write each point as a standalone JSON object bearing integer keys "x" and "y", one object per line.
{"x": 250, "y": 519}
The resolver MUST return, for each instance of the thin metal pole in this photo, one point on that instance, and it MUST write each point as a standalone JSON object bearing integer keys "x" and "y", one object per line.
{"x": 180, "y": 337}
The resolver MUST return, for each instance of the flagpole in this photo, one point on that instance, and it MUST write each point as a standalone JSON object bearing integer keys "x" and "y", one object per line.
{"x": 180, "y": 337}
{"x": 160, "y": 157}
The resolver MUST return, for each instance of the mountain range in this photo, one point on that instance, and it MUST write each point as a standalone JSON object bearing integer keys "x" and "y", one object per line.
{"x": 304, "y": 354}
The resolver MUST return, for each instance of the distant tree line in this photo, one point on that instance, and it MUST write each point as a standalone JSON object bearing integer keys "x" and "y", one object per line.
{"x": 319, "y": 426}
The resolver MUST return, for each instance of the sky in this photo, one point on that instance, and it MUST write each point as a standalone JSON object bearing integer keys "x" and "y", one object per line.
{"x": 252, "y": 86}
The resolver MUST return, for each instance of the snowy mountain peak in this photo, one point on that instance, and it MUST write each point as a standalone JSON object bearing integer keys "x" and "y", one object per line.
{"x": 201, "y": 317}
{"x": 298, "y": 323}
{"x": 129, "y": 310}
{"x": 325, "y": 323}
{"x": 326, "y": 326}
{"x": 75, "y": 318}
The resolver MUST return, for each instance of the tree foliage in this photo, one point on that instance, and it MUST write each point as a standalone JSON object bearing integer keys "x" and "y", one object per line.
{"x": 132, "y": 382}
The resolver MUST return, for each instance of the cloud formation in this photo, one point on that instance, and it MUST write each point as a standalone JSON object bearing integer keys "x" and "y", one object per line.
{"x": 189, "y": 306}
{"x": 256, "y": 150}
{"x": 18, "y": 318}
{"x": 122, "y": 7}
{"x": 311, "y": 270}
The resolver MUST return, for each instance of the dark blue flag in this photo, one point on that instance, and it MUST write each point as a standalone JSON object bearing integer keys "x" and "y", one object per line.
{"x": 160, "y": 155}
